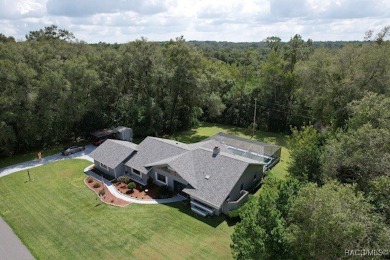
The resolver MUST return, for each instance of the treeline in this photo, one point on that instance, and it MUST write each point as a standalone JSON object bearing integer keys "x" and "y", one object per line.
{"x": 335, "y": 202}
{"x": 55, "y": 88}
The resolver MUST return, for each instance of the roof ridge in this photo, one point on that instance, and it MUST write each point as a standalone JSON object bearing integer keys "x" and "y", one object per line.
{"x": 170, "y": 142}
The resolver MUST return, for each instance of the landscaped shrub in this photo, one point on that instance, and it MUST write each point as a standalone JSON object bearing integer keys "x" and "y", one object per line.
{"x": 126, "y": 179}
{"x": 102, "y": 192}
{"x": 89, "y": 179}
{"x": 97, "y": 185}
{"x": 131, "y": 186}
{"x": 121, "y": 179}
{"x": 164, "y": 192}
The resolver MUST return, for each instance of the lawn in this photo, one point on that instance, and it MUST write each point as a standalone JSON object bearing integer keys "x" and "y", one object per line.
{"x": 57, "y": 217}
{"x": 207, "y": 129}
{"x": 191, "y": 136}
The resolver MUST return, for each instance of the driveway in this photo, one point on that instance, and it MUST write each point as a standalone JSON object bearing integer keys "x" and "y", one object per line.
{"x": 49, "y": 159}
{"x": 10, "y": 245}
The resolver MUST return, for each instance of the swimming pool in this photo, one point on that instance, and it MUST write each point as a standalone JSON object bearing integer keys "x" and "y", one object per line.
{"x": 251, "y": 155}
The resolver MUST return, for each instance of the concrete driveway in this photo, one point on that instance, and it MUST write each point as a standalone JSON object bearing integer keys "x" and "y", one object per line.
{"x": 49, "y": 159}
{"x": 10, "y": 245}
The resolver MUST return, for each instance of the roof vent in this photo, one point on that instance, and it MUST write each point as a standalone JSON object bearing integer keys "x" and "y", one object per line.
{"x": 207, "y": 177}
{"x": 216, "y": 150}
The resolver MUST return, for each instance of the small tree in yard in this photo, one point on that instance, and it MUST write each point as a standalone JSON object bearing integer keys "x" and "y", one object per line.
{"x": 131, "y": 186}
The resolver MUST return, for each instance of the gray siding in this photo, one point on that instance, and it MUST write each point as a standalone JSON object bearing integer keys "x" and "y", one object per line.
{"x": 120, "y": 170}
{"x": 144, "y": 177}
{"x": 109, "y": 171}
{"x": 247, "y": 180}
{"x": 169, "y": 176}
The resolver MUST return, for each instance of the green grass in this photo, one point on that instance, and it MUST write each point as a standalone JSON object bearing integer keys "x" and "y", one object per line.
{"x": 191, "y": 136}
{"x": 58, "y": 217}
{"x": 31, "y": 155}
{"x": 207, "y": 129}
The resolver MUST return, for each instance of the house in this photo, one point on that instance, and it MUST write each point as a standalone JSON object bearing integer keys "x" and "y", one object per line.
{"x": 215, "y": 173}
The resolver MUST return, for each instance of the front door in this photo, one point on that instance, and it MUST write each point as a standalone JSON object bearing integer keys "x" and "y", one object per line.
{"x": 178, "y": 186}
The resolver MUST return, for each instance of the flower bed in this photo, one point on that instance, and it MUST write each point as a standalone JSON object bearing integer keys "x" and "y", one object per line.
{"x": 140, "y": 191}
{"x": 105, "y": 196}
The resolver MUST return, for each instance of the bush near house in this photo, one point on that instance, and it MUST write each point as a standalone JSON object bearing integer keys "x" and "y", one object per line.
{"x": 131, "y": 186}
{"x": 97, "y": 185}
{"x": 123, "y": 179}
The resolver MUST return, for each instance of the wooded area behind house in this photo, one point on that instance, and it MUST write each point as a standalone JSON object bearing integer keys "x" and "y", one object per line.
{"x": 333, "y": 97}
{"x": 55, "y": 88}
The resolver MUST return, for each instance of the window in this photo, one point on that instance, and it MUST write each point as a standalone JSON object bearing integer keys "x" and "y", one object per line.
{"x": 254, "y": 177}
{"x": 104, "y": 166}
{"x": 137, "y": 172}
{"x": 161, "y": 178}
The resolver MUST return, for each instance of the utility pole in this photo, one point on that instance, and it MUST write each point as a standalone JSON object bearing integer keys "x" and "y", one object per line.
{"x": 254, "y": 119}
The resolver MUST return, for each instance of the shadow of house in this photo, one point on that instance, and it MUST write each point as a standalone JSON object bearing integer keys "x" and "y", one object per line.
{"x": 213, "y": 221}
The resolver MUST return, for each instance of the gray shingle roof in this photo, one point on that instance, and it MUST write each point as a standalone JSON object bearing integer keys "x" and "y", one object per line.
{"x": 224, "y": 171}
{"x": 113, "y": 152}
{"x": 154, "y": 149}
{"x": 191, "y": 161}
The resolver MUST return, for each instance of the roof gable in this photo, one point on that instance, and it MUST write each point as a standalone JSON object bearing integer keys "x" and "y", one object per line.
{"x": 113, "y": 152}
{"x": 153, "y": 149}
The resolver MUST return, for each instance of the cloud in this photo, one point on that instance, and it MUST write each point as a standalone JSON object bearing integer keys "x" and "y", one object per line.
{"x": 92, "y": 7}
{"x": 288, "y": 8}
{"x": 12, "y": 9}
{"x": 222, "y": 20}
{"x": 327, "y": 9}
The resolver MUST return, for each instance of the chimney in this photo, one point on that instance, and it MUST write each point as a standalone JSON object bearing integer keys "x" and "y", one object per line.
{"x": 216, "y": 150}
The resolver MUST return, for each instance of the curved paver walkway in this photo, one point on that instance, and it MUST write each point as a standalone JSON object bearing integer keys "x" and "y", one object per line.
{"x": 10, "y": 245}
{"x": 49, "y": 159}
{"x": 119, "y": 195}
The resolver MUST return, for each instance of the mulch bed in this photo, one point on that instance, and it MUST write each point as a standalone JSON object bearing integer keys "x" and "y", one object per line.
{"x": 139, "y": 191}
{"x": 107, "y": 198}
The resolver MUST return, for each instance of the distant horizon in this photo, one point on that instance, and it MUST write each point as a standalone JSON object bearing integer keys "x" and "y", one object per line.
{"x": 188, "y": 40}
{"x": 224, "y": 21}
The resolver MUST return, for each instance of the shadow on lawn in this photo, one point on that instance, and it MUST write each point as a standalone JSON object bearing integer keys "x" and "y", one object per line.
{"x": 262, "y": 136}
{"x": 213, "y": 221}
{"x": 191, "y": 136}
{"x": 188, "y": 137}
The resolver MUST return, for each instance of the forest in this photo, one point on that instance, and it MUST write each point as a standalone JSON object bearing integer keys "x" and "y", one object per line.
{"x": 333, "y": 98}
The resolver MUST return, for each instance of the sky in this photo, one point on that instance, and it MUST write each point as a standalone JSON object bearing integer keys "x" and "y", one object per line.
{"x": 215, "y": 20}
